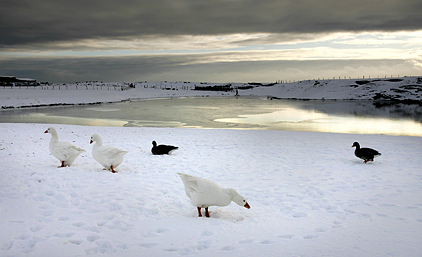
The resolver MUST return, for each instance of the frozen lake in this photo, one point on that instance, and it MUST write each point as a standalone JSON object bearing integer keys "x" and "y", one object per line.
{"x": 361, "y": 117}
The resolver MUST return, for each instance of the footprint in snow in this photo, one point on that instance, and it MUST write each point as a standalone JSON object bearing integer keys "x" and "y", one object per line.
{"x": 310, "y": 237}
{"x": 22, "y": 237}
{"x": 76, "y": 242}
{"x": 25, "y": 246}
{"x": 102, "y": 223}
{"x": 228, "y": 248}
{"x": 161, "y": 230}
{"x": 299, "y": 214}
{"x": 381, "y": 215}
{"x": 172, "y": 249}
{"x": 320, "y": 230}
{"x": 7, "y": 246}
{"x": 181, "y": 251}
{"x": 149, "y": 245}
{"x": 104, "y": 246}
{"x": 387, "y": 205}
{"x": 109, "y": 217}
{"x": 35, "y": 229}
{"x": 247, "y": 241}
{"x": 78, "y": 224}
{"x": 203, "y": 245}
{"x": 349, "y": 211}
{"x": 207, "y": 233}
{"x": 93, "y": 229}
{"x": 50, "y": 192}
{"x": 64, "y": 235}
{"x": 92, "y": 238}
{"x": 267, "y": 242}
{"x": 47, "y": 213}
{"x": 288, "y": 236}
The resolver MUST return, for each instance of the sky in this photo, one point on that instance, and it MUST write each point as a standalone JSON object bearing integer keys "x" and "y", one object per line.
{"x": 218, "y": 41}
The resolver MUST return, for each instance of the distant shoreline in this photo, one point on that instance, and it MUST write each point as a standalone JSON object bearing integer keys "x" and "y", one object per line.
{"x": 406, "y": 90}
{"x": 382, "y": 102}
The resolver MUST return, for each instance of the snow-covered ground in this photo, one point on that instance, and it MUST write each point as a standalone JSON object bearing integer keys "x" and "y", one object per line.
{"x": 309, "y": 194}
{"x": 402, "y": 89}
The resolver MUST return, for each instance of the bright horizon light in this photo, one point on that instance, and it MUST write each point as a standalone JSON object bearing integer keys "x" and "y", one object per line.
{"x": 386, "y": 45}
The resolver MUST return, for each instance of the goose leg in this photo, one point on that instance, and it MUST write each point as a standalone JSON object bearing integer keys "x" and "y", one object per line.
{"x": 199, "y": 212}
{"x": 112, "y": 170}
{"x": 207, "y": 214}
{"x": 62, "y": 165}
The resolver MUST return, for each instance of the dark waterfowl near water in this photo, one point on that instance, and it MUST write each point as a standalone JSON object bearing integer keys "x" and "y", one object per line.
{"x": 162, "y": 149}
{"x": 366, "y": 154}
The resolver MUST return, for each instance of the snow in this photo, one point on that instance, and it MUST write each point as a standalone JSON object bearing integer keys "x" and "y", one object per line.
{"x": 309, "y": 194}
{"x": 399, "y": 89}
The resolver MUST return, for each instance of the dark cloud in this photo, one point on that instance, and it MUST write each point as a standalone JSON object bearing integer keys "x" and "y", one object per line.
{"x": 26, "y": 21}
{"x": 31, "y": 31}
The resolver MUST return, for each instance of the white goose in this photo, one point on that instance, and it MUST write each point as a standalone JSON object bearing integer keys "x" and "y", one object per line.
{"x": 64, "y": 151}
{"x": 108, "y": 156}
{"x": 204, "y": 193}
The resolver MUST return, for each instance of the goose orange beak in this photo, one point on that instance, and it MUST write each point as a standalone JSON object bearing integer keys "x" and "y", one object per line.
{"x": 247, "y": 206}
{"x": 46, "y": 131}
{"x": 91, "y": 142}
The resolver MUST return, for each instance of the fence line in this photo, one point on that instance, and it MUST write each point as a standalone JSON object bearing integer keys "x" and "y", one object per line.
{"x": 127, "y": 86}
{"x": 339, "y": 78}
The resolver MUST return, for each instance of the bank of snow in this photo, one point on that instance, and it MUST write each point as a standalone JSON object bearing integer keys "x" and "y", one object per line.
{"x": 406, "y": 89}
{"x": 309, "y": 195}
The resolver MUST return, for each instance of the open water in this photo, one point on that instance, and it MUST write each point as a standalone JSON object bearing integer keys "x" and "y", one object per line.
{"x": 360, "y": 117}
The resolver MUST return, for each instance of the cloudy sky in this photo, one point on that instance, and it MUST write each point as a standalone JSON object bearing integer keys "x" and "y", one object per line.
{"x": 209, "y": 40}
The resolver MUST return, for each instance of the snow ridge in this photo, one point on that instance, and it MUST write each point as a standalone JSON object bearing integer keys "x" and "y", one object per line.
{"x": 405, "y": 89}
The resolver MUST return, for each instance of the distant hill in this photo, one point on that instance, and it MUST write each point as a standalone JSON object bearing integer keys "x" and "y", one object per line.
{"x": 404, "y": 90}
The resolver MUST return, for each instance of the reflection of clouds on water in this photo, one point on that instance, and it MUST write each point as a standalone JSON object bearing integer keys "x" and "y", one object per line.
{"x": 151, "y": 123}
{"x": 285, "y": 115}
{"x": 383, "y": 109}
{"x": 52, "y": 119}
{"x": 101, "y": 122}
{"x": 98, "y": 109}
{"x": 304, "y": 120}
{"x": 369, "y": 125}
{"x": 207, "y": 107}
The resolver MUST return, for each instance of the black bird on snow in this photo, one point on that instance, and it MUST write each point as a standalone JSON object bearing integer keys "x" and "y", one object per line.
{"x": 366, "y": 154}
{"x": 162, "y": 149}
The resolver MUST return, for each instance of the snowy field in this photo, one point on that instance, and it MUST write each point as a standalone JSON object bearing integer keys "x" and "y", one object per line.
{"x": 309, "y": 194}
{"x": 405, "y": 88}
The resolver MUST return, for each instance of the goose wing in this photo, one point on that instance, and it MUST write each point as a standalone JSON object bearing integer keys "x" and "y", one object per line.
{"x": 190, "y": 183}
{"x": 65, "y": 150}
{"x": 199, "y": 185}
{"x": 370, "y": 151}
